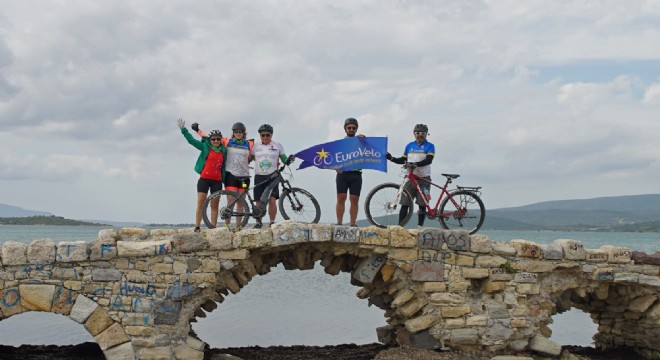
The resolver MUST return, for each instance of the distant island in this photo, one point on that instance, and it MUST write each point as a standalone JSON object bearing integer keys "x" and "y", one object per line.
{"x": 45, "y": 220}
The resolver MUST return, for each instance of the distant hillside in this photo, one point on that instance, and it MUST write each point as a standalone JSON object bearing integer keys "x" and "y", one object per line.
{"x": 45, "y": 220}
{"x": 15, "y": 211}
{"x": 614, "y": 213}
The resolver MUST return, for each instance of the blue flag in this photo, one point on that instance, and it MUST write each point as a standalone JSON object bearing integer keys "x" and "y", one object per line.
{"x": 347, "y": 154}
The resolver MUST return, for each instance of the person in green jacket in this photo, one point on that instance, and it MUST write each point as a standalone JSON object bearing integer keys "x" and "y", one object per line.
{"x": 210, "y": 166}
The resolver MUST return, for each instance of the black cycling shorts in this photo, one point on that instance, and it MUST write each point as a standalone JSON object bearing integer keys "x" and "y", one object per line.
{"x": 349, "y": 181}
{"x": 236, "y": 182}
{"x": 203, "y": 185}
{"x": 259, "y": 188}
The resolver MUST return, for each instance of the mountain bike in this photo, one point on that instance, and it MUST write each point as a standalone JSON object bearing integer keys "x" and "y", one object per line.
{"x": 294, "y": 203}
{"x": 460, "y": 208}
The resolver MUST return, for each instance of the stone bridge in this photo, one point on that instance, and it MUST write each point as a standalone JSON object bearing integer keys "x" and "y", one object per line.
{"x": 137, "y": 291}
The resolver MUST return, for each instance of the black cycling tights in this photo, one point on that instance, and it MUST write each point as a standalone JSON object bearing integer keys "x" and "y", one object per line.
{"x": 420, "y": 215}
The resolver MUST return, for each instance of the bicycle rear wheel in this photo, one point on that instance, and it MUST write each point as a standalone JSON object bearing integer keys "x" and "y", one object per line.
{"x": 382, "y": 206}
{"x": 462, "y": 210}
{"x": 299, "y": 205}
{"x": 224, "y": 198}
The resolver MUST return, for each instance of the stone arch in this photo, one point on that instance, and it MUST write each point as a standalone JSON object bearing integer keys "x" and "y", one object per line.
{"x": 106, "y": 331}
{"x": 626, "y": 312}
{"x": 238, "y": 273}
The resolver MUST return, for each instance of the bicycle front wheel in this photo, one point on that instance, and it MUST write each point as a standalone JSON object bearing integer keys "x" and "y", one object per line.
{"x": 299, "y": 205}
{"x": 221, "y": 205}
{"x": 383, "y": 207}
{"x": 462, "y": 210}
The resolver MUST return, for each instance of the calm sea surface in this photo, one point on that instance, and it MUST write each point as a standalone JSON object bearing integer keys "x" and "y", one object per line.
{"x": 292, "y": 307}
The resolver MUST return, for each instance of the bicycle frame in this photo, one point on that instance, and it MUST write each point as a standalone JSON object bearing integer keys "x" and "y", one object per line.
{"x": 277, "y": 179}
{"x": 431, "y": 212}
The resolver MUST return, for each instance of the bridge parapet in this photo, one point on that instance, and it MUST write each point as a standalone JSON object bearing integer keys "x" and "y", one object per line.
{"x": 136, "y": 291}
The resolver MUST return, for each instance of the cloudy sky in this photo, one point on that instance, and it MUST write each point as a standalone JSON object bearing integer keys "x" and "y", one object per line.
{"x": 533, "y": 100}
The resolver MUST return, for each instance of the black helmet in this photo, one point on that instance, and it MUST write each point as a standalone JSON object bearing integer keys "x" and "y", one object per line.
{"x": 350, "y": 121}
{"x": 215, "y": 133}
{"x": 421, "y": 128}
{"x": 238, "y": 126}
{"x": 265, "y": 128}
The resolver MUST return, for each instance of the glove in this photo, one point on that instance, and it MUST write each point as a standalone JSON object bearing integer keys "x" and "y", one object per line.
{"x": 388, "y": 156}
{"x": 181, "y": 123}
{"x": 289, "y": 160}
{"x": 195, "y": 127}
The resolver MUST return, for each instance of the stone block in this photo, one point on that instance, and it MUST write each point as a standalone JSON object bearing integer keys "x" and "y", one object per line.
{"x": 455, "y": 311}
{"x": 187, "y": 243}
{"x": 219, "y": 238}
{"x": 476, "y": 321}
{"x": 72, "y": 251}
{"x": 447, "y": 299}
{"x": 132, "y": 234}
{"x": 402, "y": 254}
{"x": 480, "y": 244}
{"x": 552, "y": 251}
{"x": 617, "y": 255}
{"x": 41, "y": 252}
{"x": 143, "y": 248}
{"x": 489, "y": 261}
{"x": 82, "y": 309}
{"x": 386, "y": 334}
{"x": 368, "y": 269}
{"x": 475, "y": 273}
{"x": 401, "y": 238}
{"x": 494, "y": 286}
{"x": 420, "y": 323}
{"x": 38, "y": 297}
{"x": 443, "y": 256}
{"x": 502, "y": 249}
{"x": 210, "y": 265}
{"x": 120, "y": 352}
{"x": 499, "y": 274}
{"x": 526, "y": 277}
{"x": 256, "y": 238}
{"x": 100, "y": 274}
{"x": 497, "y": 310}
{"x": 156, "y": 353}
{"x": 112, "y": 336}
{"x": 649, "y": 280}
{"x": 431, "y": 238}
{"x": 101, "y": 250}
{"x": 424, "y": 340}
{"x": 387, "y": 271}
{"x": 545, "y": 346}
{"x": 346, "y": 234}
{"x": 410, "y": 308}
{"x": 642, "y": 303}
{"x": 374, "y": 235}
{"x": 14, "y": 253}
{"x": 166, "y": 312}
{"x": 458, "y": 240}
{"x": 98, "y": 321}
{"x": 427, "y": 271}
{"x": 320, "y": 232}
{"x": 402, "y": 297}
{"x": 290, "y": 232}
{"x": 238, "y": 254}
{"x": 433, "y": 286}
{"x": 535, "y": 266}
{"x": 497, "y": 332}
{"x": 573, "y": 249}
{"x": 525, "y": 248}
{"x": 108, "y": 236}
{"x": 10, "y": 302}
{"x": 185, "y": 352}
{"x": 528, "y": 289}
{"x": 642, "y": 258}
{"x": 63, "y": 299}
{"x": 464, "y": 336}
{"x": 604, "y": 274}
{"x": 596, "y": 256}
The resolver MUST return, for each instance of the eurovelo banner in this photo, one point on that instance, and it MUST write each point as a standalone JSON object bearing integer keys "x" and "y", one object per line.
{"x": 347, "y": 154}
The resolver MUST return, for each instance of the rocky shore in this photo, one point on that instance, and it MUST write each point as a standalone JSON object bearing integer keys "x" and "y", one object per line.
{"x": 91, "y": 351}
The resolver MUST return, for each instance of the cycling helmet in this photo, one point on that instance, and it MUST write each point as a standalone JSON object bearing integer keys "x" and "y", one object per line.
{"x": 215, "y": 133}
{"x": 350, "y": 121}
{"x": 421, "y": 128}
{"x": 238, "y": 126}
{"x": 265, "y": 128}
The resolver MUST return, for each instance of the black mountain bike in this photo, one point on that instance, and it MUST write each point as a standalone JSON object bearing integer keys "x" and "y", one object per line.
{"x": 294, "y": 203}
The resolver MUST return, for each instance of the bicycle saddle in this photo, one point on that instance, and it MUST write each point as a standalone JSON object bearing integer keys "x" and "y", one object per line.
{"x": 451, "y": 176}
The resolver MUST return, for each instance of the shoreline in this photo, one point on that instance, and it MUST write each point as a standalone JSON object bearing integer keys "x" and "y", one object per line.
{"x": 377, "y": 351}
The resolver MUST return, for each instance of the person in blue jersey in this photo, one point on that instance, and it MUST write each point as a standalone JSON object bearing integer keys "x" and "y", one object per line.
{"x": 348, "y": 182}
{"x": 421, "y": 153}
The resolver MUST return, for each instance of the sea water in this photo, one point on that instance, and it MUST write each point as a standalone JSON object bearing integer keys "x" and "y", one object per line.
{"x": 292, "y": 307}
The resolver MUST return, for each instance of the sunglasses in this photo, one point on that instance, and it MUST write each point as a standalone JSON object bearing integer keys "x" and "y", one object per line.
{"x": 216, "y": 139}
{"x": 420, "y": 133}
{"x": 265, "y": 134}
{"x": 351, "y": 128}
{"x": 238, "y": 131}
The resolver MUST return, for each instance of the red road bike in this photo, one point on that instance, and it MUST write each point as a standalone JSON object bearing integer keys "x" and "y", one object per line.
{"x": 458, "y": 209}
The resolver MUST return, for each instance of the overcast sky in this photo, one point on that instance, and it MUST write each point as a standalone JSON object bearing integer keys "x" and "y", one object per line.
{"x": 533, "y": 100}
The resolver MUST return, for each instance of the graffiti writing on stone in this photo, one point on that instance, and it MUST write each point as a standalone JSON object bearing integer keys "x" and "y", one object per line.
{"x": 346, "y": 234}
{"x": 369, "y": 268}
{"x": 427, "y": 271}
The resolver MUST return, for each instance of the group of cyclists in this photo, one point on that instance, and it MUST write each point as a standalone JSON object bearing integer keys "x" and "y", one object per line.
{"x": 226, "y": 160}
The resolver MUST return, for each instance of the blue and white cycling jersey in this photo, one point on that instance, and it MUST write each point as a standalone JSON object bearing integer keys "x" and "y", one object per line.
{"x": 415, "y": 152}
